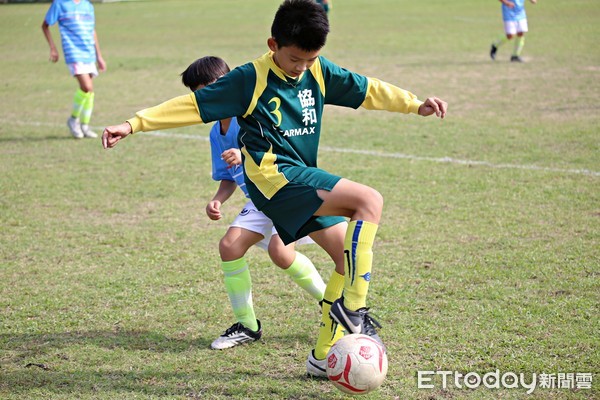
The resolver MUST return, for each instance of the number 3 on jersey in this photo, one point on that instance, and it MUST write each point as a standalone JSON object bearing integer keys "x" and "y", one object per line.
{"x": 276, "y": 111}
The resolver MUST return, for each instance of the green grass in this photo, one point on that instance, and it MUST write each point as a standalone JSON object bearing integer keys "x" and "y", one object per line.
{"x": 109, "y": 268}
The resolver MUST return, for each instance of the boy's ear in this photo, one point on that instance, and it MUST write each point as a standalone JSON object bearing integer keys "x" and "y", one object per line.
{"x": 272, "y": 44}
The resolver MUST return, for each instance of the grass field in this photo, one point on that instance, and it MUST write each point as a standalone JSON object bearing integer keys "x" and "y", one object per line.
{"x": 488, "y": 257}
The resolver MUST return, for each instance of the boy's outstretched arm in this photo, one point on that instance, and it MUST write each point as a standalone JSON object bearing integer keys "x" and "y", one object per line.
{"x": 174, "y": 113}
{"x": 433, "y": 105}
{"x": 384, "y": 96}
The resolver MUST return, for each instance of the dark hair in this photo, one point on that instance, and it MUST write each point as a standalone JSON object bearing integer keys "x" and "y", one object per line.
{"x": 300, "y": 23}
{"x": 204, "y": 71}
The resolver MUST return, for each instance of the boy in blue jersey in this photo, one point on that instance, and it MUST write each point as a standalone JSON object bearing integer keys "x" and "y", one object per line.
{"x": 251, "y": 227}
{"x": 76, "y": 22}
{"x": 279, "y": 100}
{"x": 515, "y": 23}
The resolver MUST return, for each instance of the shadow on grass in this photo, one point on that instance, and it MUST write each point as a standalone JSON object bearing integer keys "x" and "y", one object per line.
{"x": 37, "y": 344}
{"x": 44, "y": 364}
{"x": 94, "y": 383}
{"x": 17, "y": 139}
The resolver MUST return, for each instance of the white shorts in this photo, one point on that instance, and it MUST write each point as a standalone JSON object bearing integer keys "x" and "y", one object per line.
{"x": 80, "y": 68}
{"x": 514, "y": 27}
{"x": 253, "y": 220}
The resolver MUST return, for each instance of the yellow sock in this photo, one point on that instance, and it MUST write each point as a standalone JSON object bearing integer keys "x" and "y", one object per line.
{"x": 79, "y": 101}
{"x": 88, "y": 107}
{"x": 239, "y": 289}
{"x": 303, "y": 272}
{"x": 519, "y": 43}
{"x": 329, "y": 332}
{"x": 500, "y": 41}
{"x": 359, "y": 260}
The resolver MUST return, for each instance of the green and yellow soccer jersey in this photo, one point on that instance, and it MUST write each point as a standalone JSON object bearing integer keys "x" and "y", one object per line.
{"x": 279, "y": 117}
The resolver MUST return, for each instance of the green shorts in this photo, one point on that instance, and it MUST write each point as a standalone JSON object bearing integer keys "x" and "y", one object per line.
{"x": 293, "y": 207}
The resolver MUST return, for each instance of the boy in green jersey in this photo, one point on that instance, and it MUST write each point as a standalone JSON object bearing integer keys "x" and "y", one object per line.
{"x": 278, "y": 100}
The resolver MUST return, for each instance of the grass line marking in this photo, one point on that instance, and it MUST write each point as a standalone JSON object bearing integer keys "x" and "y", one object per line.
{"x": 442, "y": 160}
{"x": 445, "y": 160}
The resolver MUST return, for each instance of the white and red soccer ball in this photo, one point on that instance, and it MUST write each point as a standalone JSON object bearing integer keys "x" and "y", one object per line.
{"x": 357, "y": 364}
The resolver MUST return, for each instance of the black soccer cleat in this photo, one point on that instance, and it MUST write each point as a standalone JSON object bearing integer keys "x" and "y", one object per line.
{"x": 493, "y": 51}
{"x": 516, "y": 59}
{"x": 237, "y": 334}
{"x": 358, "y": 321}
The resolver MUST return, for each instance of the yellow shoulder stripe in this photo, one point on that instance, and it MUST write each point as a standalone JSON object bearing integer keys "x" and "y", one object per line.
{"x": 261, "y": 66}
{"x": 317, "y": 73}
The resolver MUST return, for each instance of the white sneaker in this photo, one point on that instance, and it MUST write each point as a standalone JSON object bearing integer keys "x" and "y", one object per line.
{"x": 316, "y": 368}
{"x": 87, "y": 132}
{"x": 73, "y": 124}
{"x": 235, "y": 335}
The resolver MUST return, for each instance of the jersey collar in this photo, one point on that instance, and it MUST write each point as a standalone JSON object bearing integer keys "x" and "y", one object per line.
{"x": 279, "y": 72}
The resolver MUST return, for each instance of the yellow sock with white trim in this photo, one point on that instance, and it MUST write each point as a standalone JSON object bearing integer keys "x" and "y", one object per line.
{"x": 358, "y": 261}
{"x": 329, "y": 332}
{"x": 88, "y": 107}
{"x": 79, "y": 101}
{"x": 519, "y": 43}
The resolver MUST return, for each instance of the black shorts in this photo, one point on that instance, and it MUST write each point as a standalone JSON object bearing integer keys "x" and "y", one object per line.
{"x": 293, "y": 207}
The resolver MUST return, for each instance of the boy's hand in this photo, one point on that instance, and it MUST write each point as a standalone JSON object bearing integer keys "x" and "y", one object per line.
{"x": 232, "y": 157}
{"x": 433, "y": 105}
{"x": 112, "y": 134}
{"x": 53, "y": 55}
{"x": 101, "y": 64}
{"x": 213, "y": 210}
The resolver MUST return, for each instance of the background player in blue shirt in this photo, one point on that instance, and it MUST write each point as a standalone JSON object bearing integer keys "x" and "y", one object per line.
{"x": 76, "y": 22}
{"x": 250, "y": 227}
{"x": 515, "y": 23}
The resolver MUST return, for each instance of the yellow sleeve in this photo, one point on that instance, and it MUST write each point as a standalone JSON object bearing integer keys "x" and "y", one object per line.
{"x": 384, "y": 96}
{"x": 179, "y": 111}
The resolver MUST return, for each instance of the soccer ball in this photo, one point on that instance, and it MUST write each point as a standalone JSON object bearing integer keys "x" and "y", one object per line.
{"x": 357, "y": 364}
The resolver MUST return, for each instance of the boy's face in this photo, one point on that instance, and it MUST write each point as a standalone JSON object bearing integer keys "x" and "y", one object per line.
{"x": 291, "y": 59}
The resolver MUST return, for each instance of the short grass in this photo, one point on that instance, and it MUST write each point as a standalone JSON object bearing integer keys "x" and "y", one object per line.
{"x": 487, "y": 258}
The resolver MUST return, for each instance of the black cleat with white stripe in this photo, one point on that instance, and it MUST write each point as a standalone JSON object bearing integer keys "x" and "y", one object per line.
{"x": 358, "y": 321}
{"x": 237, "y": 334}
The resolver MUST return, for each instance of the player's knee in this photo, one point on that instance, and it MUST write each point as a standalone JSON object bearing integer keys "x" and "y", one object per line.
{"x": 228, "y": 249}
{"x": 281, "y": 256}
{"x": 374, "y": 203}
{"x": 279, "y": 261}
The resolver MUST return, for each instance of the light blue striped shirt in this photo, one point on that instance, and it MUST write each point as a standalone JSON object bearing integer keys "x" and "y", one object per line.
{"x": 76, "y": 22}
